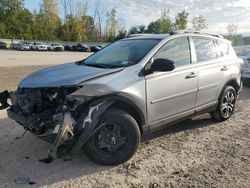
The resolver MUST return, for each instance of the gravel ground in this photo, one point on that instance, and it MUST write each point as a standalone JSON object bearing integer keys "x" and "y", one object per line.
{"x": 196, "y": 153}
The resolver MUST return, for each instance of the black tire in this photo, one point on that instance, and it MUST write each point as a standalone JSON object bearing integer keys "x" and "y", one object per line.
{"x": 98, "y": 146}
{"x": 226, "y": 104}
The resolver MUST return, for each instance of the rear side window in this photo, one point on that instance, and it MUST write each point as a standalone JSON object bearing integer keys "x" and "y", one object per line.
{"x": 205, "y": 49}
{"x": 176, "y": 50}
{"x": 222, "y": 48}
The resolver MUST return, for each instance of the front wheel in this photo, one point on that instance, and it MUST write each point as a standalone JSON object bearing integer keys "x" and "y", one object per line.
{"x": 116, "y": 141}
{"x": 226, "y": 105}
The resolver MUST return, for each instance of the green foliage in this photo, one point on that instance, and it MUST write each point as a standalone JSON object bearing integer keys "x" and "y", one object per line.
{"x": 45, "y": 24}
{"x": 121, "y": 34}
{"x": 9, "y": 17}
{"x": 162, "y": 25}
{"x": 2, "y": 30}
{"x": 137, "y": 29}
{"x": 25, "y": 24}
{"x": 181, "y": 20}
{"x": 49, "y": 19}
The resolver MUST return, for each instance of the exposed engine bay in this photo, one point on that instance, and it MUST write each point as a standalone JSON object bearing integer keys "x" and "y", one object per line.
{"x": 40, "y": 110}
{"x": 52, "y": 114}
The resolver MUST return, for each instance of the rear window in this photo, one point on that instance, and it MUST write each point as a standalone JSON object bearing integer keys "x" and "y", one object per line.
{"x": 205, "y": 49}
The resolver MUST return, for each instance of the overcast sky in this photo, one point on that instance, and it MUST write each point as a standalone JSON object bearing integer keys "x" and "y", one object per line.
{"x": 219, "y": 13}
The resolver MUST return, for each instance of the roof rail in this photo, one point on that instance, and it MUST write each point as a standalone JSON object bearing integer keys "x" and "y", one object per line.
{"x": 139, "y": 35}
{"x": 195, "y": 32}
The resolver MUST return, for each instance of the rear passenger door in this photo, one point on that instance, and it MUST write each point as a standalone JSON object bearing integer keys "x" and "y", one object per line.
{"x": 213, "y": 70}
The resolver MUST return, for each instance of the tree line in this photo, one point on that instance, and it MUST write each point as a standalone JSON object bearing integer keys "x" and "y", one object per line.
{"x": 166, "y": 25}
{"x": 78, "y": 24}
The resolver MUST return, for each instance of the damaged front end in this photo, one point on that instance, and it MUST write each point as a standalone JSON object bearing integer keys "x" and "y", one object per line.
{"x": 54, "y": 115}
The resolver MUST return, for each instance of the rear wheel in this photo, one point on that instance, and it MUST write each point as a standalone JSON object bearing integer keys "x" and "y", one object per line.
{"x": 116, "y": 141}
{"x": 226, "y": 105}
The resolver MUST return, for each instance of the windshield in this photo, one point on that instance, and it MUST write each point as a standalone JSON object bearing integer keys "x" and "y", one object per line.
{"x": 122, "y": 53}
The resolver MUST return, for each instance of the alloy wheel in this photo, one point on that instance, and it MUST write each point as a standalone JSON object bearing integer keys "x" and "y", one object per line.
{"x": 228, "y": 104}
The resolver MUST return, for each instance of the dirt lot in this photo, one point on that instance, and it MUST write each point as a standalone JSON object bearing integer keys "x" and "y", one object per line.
{"x": 23, "y": 58}
{"x": 196, "y": 153}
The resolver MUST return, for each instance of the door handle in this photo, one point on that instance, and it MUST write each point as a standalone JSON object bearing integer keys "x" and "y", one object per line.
{"x": 225, "y": 68}
{"x": 191, "y": 75}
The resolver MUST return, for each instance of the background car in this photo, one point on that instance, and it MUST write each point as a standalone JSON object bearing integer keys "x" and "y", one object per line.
{"x": 3, "y": 45}
{"x": 39, "y": 46}
{"x": 95, "y": 48}
{"x": 14, "y": 46}
{"x": 81, "y": 48}
{"x": 67, "y": 47}
{"x": 55, "y": 47}
{"x": 24, "y": 46}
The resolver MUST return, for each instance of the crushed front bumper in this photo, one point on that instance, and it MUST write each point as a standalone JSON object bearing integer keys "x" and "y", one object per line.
{"x": 4, "y": 96}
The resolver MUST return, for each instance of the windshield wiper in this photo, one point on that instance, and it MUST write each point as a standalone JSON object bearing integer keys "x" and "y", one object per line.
{"x": 99, "y": 65}
{"x": 79, "y": 62}
{"x": 82, "y": 62}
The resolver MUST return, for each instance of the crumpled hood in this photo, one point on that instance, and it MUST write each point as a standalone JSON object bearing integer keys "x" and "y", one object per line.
{"x": 64, "y": 75}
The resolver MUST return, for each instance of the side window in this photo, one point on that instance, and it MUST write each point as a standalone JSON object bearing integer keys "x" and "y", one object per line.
{"x": 176, "y": 50}
{"x": 222, "y": 48}
{"x": 205, "y": 49}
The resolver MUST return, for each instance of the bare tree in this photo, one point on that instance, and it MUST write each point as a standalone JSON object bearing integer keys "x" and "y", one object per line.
{"x": 232, "y": 29}
{"x": 98, "y": 16}
{"x": 199, "y": 23}
{"x": 65, "y": 8}
{"x": 121, "y": 24}
{"x": 71, "y": 9}
{"x": 81, "y": 8}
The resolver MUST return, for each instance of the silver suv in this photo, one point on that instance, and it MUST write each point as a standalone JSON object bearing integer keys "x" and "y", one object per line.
{"x": 129, "y": 89}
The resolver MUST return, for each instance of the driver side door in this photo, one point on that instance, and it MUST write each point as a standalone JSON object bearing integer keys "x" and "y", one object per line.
{"x": 172, "y": 95}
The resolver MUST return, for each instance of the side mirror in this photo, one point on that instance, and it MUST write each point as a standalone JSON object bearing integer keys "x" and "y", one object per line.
{"x": 162, "y": 65}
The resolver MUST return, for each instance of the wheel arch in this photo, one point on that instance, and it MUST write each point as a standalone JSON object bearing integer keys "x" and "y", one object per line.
{"x": 130, "y": 108}
{"x": 114, "y": 101}
{"x": 232, "y": 82}
{"x": 124, "y": 103}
